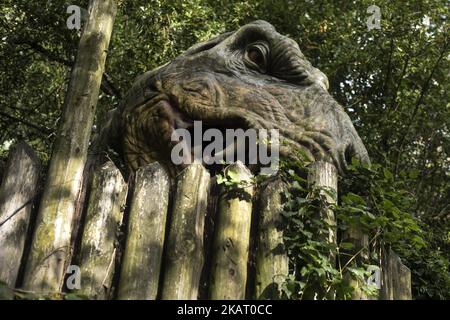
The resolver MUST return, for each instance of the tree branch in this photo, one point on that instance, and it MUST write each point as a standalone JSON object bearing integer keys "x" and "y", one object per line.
{"x": 419, "y": 102}
{"x": 43, "y": 130}
{"x": 107, "y": 86}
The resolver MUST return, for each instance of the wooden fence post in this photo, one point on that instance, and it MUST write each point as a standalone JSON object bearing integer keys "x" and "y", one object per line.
{"x": 360, "y": 242}
{"x": 402, "y": 283}
{"x": 395, "y": 276}
{"x": 99, "y": 241}
{"x": 323, "y": 175}
{"x": 51, "y": 245}
{"x": 232, "y": 238}
{"x": 184, "y": 255}
{"x": 18, "y": 193}
{"x": 272, "y": 263}
{"x": 141, "y": 263}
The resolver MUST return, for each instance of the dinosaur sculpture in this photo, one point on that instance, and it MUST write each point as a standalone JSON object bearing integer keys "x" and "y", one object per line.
{"x": 251, "y": 78}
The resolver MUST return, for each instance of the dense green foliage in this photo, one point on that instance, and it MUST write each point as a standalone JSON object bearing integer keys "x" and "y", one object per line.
{"x": 392, "y": 81}
{"x": 371, "y": 200}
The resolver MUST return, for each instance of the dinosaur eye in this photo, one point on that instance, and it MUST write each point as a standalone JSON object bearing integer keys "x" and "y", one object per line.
{"x": 256, "y": 56}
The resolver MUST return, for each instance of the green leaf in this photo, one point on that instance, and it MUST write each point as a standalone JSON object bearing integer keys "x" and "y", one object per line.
{"x": 220, "y": 179}
{"x": 347, "y": 245}
{"x": 387, "y": 174}
{"x": 75, "y": 296}
{"x": 413, "y": 174}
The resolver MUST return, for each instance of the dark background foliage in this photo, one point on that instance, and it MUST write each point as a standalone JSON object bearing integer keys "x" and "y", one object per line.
{"x": 393, "y": 82}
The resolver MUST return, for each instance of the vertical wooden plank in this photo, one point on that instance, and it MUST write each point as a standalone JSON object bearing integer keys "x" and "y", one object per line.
{"x": 18, "y": 193}
{"x": 400, "y": 278}
{"x": 272, "y": 263}
{"x": 51, "y": 245}
{"x": 208, "y": 236}
{"x": 141, "y": 264}
{"x": 232, "y": 238}
{"x": 324, "y": 175}
{"x": 396, "y": 278}
{"x": 403, "y": 283}
{"x": 386, "y": 291}
{"x": 360, "y": 243}
{"x": 103, "y": 219}
{"x": 184, "y": 256}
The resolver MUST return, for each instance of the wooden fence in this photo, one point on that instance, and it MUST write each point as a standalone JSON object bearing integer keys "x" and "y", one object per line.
{"x": 148, "y": 239}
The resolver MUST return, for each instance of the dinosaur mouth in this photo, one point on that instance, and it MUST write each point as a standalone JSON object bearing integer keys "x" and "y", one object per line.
{"x": 216, "y": 141}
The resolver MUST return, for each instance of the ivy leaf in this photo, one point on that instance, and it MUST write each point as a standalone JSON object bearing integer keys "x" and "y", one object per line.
{"x": 387, "y": 174}
{"x": 347, "y": 245}
{"x": 75, "y": 296}
{"x": 413, "y": 174}
{"x": 220, "y": 179}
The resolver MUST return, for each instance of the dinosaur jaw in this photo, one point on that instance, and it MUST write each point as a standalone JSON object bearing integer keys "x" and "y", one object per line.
{"x": 214, "y": 141}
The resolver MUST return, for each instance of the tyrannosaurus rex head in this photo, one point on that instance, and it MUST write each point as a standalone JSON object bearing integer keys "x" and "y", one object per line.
{"x": 251, "y": 78}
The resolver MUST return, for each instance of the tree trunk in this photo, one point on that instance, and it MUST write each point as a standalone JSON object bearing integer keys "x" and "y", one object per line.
{"x": 98, "y": 245}
{"x": 51, "y": 245}
{"x": 141, "y": 262}
{"x": 17, "y": 196}
{"x": 272, "y": 264}
{"x": 184, "y": 255}
{"x": 232, "y": 239}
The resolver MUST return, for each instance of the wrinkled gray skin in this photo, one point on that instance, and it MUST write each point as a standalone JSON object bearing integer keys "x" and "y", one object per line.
{"x": 251, "y": 78}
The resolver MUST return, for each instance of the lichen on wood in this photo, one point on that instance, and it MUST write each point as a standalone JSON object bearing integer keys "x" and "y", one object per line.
{"x": 272, "y": 263}
{"x": 323, "y": 178}
{"x": 395, "y": 277}
{"x": 141, "y": 264}
{"x": 184, "y": 256}
{"x": 100, "y": 235}
{"x": 51, "y": 248}
{"x": 232, "y": 239}
{"x": 18, "y": 193}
